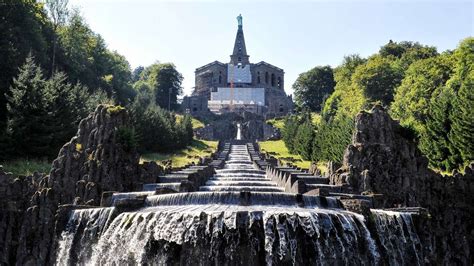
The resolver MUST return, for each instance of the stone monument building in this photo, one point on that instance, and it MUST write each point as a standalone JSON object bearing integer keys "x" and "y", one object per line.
{"x": 239, "y": 85}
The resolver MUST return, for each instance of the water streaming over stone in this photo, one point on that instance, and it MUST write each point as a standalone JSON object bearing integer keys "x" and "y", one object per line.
{"x": 82, "y": 232}
{"x": 399, "y": 241}
{"x": 239, "y": 217}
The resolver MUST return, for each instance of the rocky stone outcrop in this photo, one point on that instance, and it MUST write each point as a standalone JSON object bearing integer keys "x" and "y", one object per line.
{"x": 100, "y": 158}
{"x": 15, "y": 193}
{"x": 384, "y": 159}
{"x": 97, "y": 159}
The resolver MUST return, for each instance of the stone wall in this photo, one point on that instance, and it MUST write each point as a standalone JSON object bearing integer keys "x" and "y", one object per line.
{"x": 208, "y": 77}
{"x": 263, "y": 69}
{"x": 224, "y": 127}
{"x": 384, "y": 159}
{"x": 195, "y": 105}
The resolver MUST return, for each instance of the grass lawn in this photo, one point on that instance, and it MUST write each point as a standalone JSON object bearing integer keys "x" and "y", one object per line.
{"x": 197, "y": 149}
{"x": 280, "y": 121}
{"x": 196, "y": 123}
{"x": 277, "y": 122}
{"x": 26, "y": 166}
{"x": 279, "y": 150}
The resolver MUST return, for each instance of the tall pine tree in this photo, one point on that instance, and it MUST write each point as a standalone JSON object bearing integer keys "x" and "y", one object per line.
{"x": 435, "y": 142}
{"x": 462, "y": 133}
{"x": 27, "y": 108}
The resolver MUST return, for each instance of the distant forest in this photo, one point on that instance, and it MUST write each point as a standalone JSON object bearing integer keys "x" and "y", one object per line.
{"x": 54, "y": 70}
{"x": 430, "y": 93}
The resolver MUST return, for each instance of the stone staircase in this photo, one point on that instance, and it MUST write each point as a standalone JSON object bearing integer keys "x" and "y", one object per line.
{"x": 240, "y": 173}
{"x": 238, "y": 166}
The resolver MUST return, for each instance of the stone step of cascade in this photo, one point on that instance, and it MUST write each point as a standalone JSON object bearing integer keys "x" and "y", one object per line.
{"x": 238, "y": 178}
{"x": 264, "y": 182}
{"x": 235, "y": 161}
{"x": 329, "y": 188}
{"x": 240, "y": 173}
{"x": 154, "y": 186}
{"x": 242, "y": 188}
{"x": 253, "y": 171}
{"x": 313, "y": 180}
{"x": 172, "y": 178}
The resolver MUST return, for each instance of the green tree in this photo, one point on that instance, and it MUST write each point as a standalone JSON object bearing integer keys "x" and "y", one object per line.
{"x": 67, "y": 105}
{"x": 331, "y": 139}
{"x": 137, "y": 73}
{"x": 346, "y": 99}
{"x": 86, "y": 59}
{"x": 304, "y": 139}
{"x": 157, "y": 128}
{"x": 27, "y": 107}
{"x": 462, "y": 82}
{"x": 58, "y": 12}
{"x": 24, "y": 29}
{"x": 165, "y": 82}
{"x": 412, "y": 97}
{"x": 289, "y": 132}
{"x": 378, "y": 79}
{"x": 407, "y": 49}
{"x": 119, "y": 78}
{"x": 188, "y": 128}
{"x": 313, "y": 87}
{"x": 435, "y": 143}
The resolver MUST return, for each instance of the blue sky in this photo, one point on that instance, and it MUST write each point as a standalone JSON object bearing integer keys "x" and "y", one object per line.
{"x": 293, "y": 35}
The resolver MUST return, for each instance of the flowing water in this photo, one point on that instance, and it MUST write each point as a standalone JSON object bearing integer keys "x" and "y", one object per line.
{"x": 397, "y": 237}
{"x": 239, "y": 217}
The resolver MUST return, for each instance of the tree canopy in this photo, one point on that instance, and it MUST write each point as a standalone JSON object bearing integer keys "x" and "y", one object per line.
{"x": 427, "y": 91}
{"x": 313, "y": 87}
{"x": 54, "y": 70}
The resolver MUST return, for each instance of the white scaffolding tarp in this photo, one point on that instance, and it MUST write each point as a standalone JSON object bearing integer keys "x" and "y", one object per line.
{"x": 240, "y": 96}
{"x": 238, "y": 74}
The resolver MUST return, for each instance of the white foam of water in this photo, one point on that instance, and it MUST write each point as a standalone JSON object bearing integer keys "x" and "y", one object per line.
{"x": 126, "y": 238}
{"x": 83, "y": 227}
{"x": 393, "y": 223}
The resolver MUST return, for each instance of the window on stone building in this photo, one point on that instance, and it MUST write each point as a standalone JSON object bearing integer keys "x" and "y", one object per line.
{"x": 279, "y": 82}
{"x": 240, "y": 59}
{"x": 220, "y": 77}
{"x": 258, "y": 77}
{"x": 281, "y": 108}
{"x": 273, "y": 80}
{"x": 266, "y": 77}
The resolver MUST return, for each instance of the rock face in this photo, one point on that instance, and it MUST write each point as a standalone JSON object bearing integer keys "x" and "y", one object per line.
{"x": 383, "y": 158}
{"x": 15, "y": 193}
{"x": 99, "y": 158}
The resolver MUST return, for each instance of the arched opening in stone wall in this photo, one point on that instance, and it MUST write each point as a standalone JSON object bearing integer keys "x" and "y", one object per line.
{"x": 258, "y": 77}
{"x": 273, "y": 80}
{"x": 266, "y": 77}
{"x": 279, "y": 82}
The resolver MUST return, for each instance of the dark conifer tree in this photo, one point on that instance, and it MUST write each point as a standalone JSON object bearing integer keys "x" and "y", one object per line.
{"x": 27, "y": 108}
{"x": 435, "y": 142}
